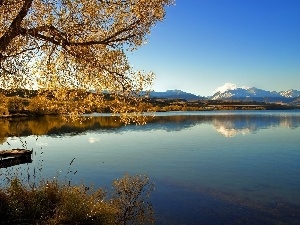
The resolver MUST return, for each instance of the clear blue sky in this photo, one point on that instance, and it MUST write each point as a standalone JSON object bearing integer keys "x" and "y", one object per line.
{"x": 203, "y": 44}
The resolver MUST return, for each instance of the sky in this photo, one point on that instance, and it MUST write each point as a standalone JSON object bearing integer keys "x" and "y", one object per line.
{"x": 203, "y": 44}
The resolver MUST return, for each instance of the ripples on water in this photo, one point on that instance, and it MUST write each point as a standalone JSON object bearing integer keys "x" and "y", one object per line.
{"x": 239, "y": 167}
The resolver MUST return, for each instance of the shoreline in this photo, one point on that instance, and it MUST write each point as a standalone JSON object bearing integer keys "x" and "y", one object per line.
{"x": 222, "y": 108}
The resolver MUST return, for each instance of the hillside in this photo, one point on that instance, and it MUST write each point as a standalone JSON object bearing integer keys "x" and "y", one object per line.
{"x": 175, "y": 94}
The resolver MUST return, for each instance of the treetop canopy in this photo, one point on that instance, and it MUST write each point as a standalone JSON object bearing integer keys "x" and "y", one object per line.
{"x": 75, "y": 44}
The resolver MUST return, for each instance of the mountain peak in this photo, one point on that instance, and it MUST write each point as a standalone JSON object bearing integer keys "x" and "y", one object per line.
{"x": 225, "y": 87}
{"x": 231, "y": 91}
{"x": 229, "y": 86}
{"x": 290, "y": 93}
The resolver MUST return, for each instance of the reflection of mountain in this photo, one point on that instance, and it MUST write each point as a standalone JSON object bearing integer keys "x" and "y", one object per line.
{"x": 229, "y": 131}
{"x": 233, "y": 125}
{"x": 228, "y": 124}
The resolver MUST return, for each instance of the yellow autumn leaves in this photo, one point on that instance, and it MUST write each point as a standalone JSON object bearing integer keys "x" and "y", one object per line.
{"x": 63, "y": 44}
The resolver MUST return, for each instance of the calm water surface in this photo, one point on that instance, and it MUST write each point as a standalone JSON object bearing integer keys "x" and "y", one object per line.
{"x": 225, "y": 167}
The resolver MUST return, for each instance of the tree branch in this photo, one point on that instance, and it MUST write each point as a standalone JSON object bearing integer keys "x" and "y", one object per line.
{"x": 128, "y": 28}
{"x": 15, "y": 26}
{"x": 5, "y": 70}
{"x": 57, "y": 37}
{"x": 21, "y": 52}
{"x": 35, "y": 32}
{"x": 1, "y": 2}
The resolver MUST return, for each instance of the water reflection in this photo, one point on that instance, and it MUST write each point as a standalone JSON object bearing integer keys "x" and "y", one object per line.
{"x": 5, "y": 163}
{"x": 201, "y": 177}
{"x": 53, "y": 125}
{"x": 229, "y": 124}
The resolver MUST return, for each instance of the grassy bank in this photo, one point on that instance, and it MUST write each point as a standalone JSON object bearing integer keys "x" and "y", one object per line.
{"x": 52, "y": 202}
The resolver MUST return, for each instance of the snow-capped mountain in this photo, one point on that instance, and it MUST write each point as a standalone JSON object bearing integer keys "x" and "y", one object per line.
{"x": 232, "y": 92}
{"x": 290, "y": 93}
{"x": 246, "y": 93}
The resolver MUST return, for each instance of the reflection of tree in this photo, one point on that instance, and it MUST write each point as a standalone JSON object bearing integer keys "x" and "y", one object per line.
{"x": 2, "y": 140}
{"x": 4, "y": 131}
{"x": 228, "y": 125}
{"x": 53, "y": 125}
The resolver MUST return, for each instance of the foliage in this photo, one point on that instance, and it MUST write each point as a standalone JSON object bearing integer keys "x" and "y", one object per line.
{"x": 131, "y": 196}
{"x": 50, "y": 202}
{"x": 15, "y": 104}
{"x": 3, "y": 105}
{"x": 62, "y": 45}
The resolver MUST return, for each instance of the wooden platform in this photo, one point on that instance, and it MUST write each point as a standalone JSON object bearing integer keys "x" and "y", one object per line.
{"x": 15, "y": 153}
{"x": 14, "y": 157}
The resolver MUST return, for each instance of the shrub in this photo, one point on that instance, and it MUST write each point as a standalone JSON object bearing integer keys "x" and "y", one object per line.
{"x": 51, "y": 202}
{"x": 130, "y": 196}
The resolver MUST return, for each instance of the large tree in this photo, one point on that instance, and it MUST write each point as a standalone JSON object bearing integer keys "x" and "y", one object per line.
{"x": 76, "y": 44}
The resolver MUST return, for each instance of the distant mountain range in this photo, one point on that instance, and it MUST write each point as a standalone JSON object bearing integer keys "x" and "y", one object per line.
{"x": 227, "y": 92}
{"x": 236, "y": 93}
{"x": 175, "y": 94}
{"x": 256, "y": 94}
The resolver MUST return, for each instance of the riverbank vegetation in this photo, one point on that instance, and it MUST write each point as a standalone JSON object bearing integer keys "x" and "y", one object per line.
{"x": 53, "y": 202}
{"x": 164, "y": 105}
{"x": 32, "y": 103}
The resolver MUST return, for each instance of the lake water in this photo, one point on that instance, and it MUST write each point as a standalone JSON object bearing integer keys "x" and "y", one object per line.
{"x": 217, "y": 167}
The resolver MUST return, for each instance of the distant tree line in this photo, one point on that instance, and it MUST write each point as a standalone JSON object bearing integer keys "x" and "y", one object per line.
{"x": 30, "y": 102}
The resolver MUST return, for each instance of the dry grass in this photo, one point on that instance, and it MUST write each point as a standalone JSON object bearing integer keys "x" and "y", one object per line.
{"x": 51, "y": 202}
